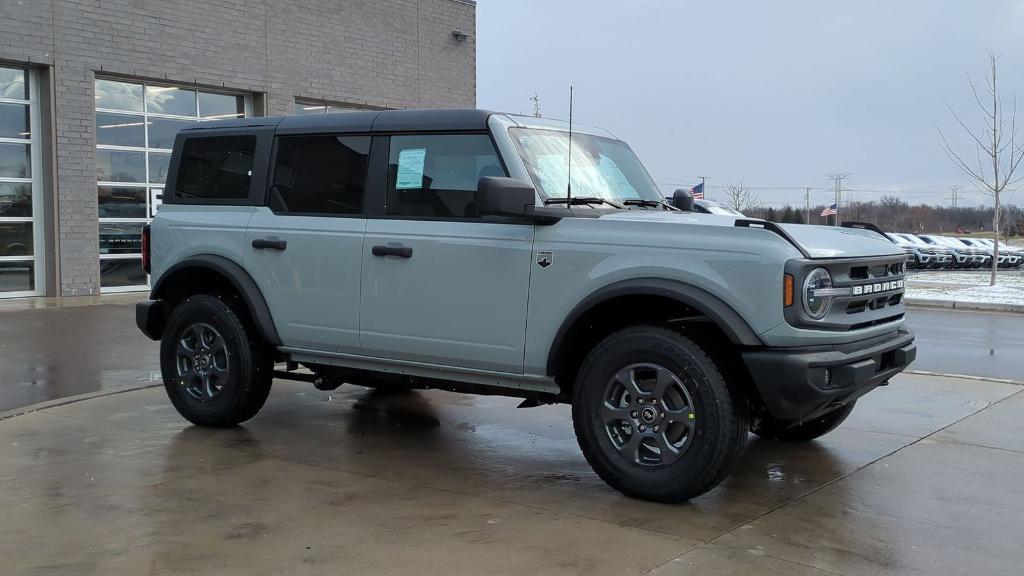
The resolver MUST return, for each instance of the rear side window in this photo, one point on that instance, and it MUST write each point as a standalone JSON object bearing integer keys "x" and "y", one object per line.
{"x": 320, "y": 174}
{"x": 436, "y": 176}
{"x": 215, "y": 167}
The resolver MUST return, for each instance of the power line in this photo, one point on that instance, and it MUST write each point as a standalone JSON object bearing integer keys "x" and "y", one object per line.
{"x": 954, "y": 190}
{"x": 536, "y": 105}
{"x": 837, "y": 181}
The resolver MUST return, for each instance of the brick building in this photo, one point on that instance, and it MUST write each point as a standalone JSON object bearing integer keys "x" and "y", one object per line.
{"x": 92, "y": 92}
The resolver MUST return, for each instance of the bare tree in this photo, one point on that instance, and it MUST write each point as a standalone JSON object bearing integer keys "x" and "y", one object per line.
{"x": 996, "y": 147}
{"x": 892, "y": 213}
{"x": 740, "y": 198}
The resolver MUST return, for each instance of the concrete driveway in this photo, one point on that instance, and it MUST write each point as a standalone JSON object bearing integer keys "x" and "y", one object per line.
{"x": 924, "y": 478}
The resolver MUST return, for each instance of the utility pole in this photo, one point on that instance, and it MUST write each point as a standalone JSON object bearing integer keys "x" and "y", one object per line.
{"x": 837, "y": 181}
{"x": 954, "y": 192}
{"x": 807, "y": 200}
{"x": 536, "y": 105}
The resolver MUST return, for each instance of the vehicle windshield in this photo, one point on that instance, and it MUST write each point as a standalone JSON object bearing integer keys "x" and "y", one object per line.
{"x": 601, "y": 167}
{"x": 949, "y": 242}
{"x": 915, "y": 240}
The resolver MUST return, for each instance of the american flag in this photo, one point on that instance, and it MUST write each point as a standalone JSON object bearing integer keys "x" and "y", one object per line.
{"x": 830, "y": 211}
{"x": 697, "y": 191}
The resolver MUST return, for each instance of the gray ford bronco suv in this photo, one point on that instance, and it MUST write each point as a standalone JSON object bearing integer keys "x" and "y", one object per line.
{"x": 487, "y": 253}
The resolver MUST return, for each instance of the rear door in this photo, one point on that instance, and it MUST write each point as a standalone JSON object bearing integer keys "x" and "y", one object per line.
{"x": 305, "y": 248}
{"x": 440, "y": 284}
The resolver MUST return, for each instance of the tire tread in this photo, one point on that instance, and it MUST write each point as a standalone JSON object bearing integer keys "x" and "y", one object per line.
{"x": 732, "y": 421}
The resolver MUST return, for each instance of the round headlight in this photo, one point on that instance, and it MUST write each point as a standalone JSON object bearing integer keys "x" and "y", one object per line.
{"x": 817, "y": 306}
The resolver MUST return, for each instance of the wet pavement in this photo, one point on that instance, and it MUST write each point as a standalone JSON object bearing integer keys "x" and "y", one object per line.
{"x": 53, "y": 349}
{"x": 961, "y": 342}
{"x": 924, "y": 478}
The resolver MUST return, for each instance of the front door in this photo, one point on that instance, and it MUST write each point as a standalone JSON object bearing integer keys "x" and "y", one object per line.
{"x": 305, "y": 249}
{"x": 440, "y": 285}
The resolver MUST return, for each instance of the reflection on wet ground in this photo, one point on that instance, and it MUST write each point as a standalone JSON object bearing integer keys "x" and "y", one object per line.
{"x": 56, "y": 352}
{"x": 963, "y": 342}
{"x": 55, "y": 348}
{"x": 922, "y": 479}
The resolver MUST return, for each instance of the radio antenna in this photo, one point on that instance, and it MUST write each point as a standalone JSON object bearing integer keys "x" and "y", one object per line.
{"x": 568, "y": 186}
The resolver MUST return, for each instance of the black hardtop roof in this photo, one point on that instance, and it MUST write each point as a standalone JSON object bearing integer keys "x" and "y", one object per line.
{"x": 459, "y": 119}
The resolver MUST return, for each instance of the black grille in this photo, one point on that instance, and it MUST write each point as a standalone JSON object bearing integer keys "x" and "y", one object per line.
{"x": 871, "y": 277}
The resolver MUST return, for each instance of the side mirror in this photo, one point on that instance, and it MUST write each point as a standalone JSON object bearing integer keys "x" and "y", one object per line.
{"x": 500, "y": 196}
{"x": 681, "y": 199}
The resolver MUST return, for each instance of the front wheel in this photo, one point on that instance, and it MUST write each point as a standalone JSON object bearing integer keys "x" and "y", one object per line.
{"x": 216, "y": 370}
{"x": 814, "y": 428}
{"x": 655, "y": 418}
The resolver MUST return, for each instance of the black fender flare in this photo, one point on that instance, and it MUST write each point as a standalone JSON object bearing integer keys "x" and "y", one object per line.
{"x": 239, "y": 278}
{"x": 720, "y": 313}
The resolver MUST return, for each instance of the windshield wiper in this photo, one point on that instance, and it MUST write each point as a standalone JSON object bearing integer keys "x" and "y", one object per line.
{"x": 645, "y": 203}
{"x": 579, "y": 200}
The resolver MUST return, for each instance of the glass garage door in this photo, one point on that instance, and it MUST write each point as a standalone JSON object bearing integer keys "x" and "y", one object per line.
{"x": 21, "y": 228}
{"x": 135, "y": 128}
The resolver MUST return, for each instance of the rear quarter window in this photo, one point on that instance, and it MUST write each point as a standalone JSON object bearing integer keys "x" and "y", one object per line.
{"x": 215, "y": 167}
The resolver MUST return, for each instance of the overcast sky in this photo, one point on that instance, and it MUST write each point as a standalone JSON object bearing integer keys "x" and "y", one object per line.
{"x": 774, "y": 94}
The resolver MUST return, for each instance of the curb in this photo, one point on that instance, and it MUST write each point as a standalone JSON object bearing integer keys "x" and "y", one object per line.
{"x": 955, "y": 305}
{"x": 964, "y": 377}
{"x": 72, "y": 399}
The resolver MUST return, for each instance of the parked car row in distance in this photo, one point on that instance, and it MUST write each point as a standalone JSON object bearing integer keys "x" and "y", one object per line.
{"x": 926, "y": 251}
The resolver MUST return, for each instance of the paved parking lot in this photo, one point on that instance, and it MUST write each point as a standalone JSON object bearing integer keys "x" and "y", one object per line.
{"x": 924, "y": 478}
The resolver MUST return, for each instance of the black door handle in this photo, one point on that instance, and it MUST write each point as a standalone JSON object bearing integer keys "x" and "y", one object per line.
{"x": 269, "y": 243}
{"x": 400, "y": 251}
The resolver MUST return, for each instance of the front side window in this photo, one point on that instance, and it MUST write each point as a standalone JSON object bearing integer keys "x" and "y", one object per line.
{"x": 215, "y": 167}
{"x": 600, "y": 167}
{"x": 320, "y": 174}
{"x": 436, "y": 176}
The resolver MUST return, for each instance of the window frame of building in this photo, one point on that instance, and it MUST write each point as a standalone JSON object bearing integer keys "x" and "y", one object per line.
{"x": 152, "y": 190}
{"x": 305, "y": 106}
{"x": 34, "y": 180}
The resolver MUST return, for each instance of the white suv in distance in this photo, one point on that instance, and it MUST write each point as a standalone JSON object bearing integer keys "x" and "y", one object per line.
{"x": 963, "y": 256}
{"x": 1009, "y": 257}
{"x": 924, "y": 255}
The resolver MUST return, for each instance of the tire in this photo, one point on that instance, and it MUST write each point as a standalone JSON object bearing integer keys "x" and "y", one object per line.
{"x": 810, "y": 430}
{"x": 702, "y": 417}
{"x": 238, "y": 366}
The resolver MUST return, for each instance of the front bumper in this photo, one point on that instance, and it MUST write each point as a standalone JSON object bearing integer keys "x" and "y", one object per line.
{"x": 933, "y": 259}
{"x": 794, "y": 385}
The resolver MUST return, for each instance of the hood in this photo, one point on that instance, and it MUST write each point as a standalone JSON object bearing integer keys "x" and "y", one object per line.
{"x": 839, "y": 242}
{"x": 818, "y": 241}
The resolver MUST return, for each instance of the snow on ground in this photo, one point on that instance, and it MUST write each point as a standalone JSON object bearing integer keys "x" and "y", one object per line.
{"x": 980, "y": 278}
{"x": 978, "y": 294}
{"x": 962, "y": 286}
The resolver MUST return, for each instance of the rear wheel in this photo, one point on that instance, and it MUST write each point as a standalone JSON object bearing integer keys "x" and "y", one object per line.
{"x": 216, "y": 370}
{"x": 654, "y": 417}
{"x": 815, "y": 428}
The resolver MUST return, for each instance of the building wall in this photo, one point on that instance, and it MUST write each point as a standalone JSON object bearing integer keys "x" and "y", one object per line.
{"x": 384, "y": 53}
